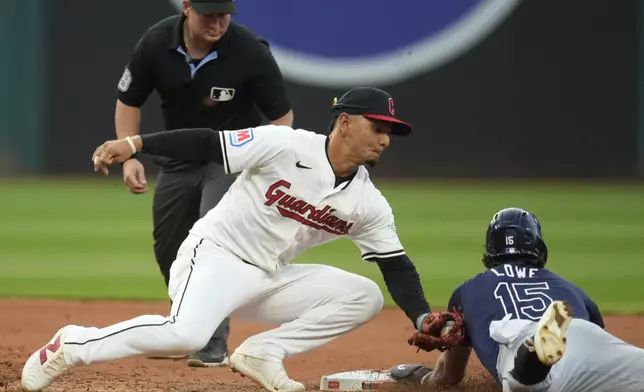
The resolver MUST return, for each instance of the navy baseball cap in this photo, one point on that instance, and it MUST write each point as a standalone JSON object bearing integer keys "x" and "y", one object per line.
{"x": 213, "y": 6}
{"x": 372, "y": 103}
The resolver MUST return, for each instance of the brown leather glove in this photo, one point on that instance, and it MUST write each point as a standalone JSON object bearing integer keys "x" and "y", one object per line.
{"x": 429, "y": 337}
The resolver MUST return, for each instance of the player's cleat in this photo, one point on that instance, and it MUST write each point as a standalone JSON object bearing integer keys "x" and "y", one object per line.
{"x": 44, "y": 365}
{"x": 269, "y": 374}
{"x": 410, "y": 374}
{"x": 549, "y": 341}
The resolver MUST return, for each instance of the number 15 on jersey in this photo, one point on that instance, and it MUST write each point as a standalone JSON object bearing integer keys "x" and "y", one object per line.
{"x": 525, "y": 301}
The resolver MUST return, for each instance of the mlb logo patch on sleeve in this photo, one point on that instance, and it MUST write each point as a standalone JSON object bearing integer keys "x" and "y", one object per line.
{"x": 239, "y": 138}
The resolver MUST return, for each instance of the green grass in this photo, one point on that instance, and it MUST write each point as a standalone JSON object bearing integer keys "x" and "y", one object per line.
{"x": 82, "y": 238}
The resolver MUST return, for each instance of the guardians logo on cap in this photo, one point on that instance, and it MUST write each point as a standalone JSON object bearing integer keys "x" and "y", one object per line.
{"x": 372, "y": 103}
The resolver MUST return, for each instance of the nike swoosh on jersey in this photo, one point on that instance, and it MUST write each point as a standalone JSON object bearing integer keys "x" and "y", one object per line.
{"x": 299, "y": 164}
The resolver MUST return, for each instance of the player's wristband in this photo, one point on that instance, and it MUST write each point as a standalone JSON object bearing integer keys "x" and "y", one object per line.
{"x": 129, "y": 141}
{"x": 419, "y": 321}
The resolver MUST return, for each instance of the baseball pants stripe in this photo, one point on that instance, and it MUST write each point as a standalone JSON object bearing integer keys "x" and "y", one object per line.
{"x": 127, "y": 328}
{"x": 313, "y": 303}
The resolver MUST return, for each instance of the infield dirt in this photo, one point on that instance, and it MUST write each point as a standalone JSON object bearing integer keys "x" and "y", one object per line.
{"x": 28, "y": 324}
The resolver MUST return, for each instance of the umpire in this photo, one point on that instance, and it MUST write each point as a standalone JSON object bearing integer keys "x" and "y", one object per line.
{"x": 209, "y": 73}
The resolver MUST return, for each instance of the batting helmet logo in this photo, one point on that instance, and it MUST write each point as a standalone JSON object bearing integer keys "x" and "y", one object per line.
{"x": 371, "y": 41}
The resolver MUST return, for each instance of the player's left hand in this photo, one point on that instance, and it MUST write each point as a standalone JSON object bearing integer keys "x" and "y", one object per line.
{"x": 440, "y": 331}
{"x": 113, "y": 151}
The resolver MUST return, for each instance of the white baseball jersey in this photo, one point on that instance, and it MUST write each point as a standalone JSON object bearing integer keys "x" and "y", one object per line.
{"x": 285, "y": 201}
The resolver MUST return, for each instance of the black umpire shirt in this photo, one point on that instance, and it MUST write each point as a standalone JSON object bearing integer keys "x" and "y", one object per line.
{"x": 219, "y": 91}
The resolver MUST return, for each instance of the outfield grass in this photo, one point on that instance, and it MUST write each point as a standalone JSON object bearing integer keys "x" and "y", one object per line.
{"x": 80, "y": 238}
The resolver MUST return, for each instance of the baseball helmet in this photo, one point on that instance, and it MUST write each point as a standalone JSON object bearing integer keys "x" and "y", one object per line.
{"x": 514, "y": 234}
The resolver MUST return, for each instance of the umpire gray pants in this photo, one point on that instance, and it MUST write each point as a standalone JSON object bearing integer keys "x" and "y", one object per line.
{"x": 594, "y": 361}
{"x": 180, "y": 199}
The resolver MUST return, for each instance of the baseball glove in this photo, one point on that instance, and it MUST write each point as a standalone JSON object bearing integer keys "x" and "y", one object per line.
{"x": 440, "y": 331}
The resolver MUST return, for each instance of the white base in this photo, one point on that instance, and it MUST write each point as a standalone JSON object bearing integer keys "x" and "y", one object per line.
{"x": 356, "y": 380}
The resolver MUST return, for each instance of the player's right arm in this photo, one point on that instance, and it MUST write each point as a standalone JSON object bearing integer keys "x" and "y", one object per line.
{"x": 133, "y": 89}
{"x": 236, "y": 150}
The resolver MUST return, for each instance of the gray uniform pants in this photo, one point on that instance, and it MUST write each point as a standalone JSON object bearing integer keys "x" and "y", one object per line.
{"x": 180, "y": 199}
{"x": 594, "y": 361}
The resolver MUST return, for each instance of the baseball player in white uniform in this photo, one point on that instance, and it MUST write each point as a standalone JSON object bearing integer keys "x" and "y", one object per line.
{"x": 296, "y": 189}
